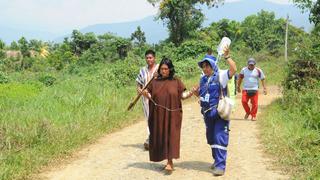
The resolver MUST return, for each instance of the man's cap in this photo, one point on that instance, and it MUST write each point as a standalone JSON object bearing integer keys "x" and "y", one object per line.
{"x": 251, "y": 61}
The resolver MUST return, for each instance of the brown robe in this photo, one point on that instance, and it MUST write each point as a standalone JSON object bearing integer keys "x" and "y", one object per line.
{"x": 164, "y": 125}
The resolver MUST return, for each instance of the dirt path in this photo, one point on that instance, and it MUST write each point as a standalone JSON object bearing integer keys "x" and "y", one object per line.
{"x": 120, "y": 155}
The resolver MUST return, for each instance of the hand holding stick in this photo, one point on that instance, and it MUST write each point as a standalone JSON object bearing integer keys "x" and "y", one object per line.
{"x": 139, "y": 95}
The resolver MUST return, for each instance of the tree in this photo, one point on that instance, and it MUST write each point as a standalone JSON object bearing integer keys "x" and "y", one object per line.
{"x": 269, "y": 32}
{"x": 182, "y": 17}
{"x": 313, "y": 7}
{"x": 24, "y": 47}
{"x": 14, "y": 45}
{"x": 81, "y": 42}
{"x": 2, "y": 44}
{"x": 114, "y": 47}
{"x": 139, "y": 37}
{"x": 35, "y": 45}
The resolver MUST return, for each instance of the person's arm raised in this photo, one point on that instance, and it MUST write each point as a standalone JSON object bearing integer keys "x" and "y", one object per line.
{"x": 232, "y": 64}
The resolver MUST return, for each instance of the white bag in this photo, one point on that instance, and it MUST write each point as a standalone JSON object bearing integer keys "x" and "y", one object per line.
{"x": 224, "y": 108}
{"x": 225, "y": 105}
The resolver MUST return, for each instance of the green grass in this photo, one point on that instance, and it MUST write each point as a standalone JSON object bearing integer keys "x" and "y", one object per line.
{"x": 290, "y": 135}
{"x": 39, "y": 123}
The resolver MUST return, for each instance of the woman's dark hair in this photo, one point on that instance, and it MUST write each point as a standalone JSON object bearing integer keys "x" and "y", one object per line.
{"x": 167, "y": 62}
{"x": 150, "y": 51}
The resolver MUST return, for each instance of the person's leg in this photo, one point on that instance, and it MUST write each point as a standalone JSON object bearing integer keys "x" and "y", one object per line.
{"x": 146, "y": 114}
{"x": 209, "y": 122}
{"x": 244, "y": 101}
{"x": 169, "y": 166}
{"x": 221, "y": 141}
{"x": 254, "y": 109}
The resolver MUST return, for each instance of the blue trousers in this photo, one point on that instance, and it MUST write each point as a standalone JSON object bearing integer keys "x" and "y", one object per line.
{"x": 217, "y": 133}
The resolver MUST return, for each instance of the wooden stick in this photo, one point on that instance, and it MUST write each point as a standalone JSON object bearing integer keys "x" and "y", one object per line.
{"x": 139, "y": 95}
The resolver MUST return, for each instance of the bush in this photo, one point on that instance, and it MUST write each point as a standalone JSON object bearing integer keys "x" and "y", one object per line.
{"x": 187, "y": 68}
{"x": 3, "y": 78}
{"x": 191, "y": 49}
{"x": 302, "y": 74}
{"x": 47, "y": 80}
{"x": 122, "y": 73}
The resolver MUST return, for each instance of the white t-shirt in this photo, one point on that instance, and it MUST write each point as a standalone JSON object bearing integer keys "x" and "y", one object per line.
{"x": 251, "y": 78}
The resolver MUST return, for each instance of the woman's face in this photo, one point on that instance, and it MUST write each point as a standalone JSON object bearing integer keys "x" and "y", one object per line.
{"x": 206, "y": 68}
{"x": 164, "y": 71}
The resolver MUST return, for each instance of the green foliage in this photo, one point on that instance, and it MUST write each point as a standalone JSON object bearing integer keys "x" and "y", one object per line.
{"x": 2, "y": 45}
{"x": 61, "y": 57}
{"x": 122, "y": 73}
{"x": 294, "y": 122}
{"x": 3, "y": 78}
{"x": 81, "y": 42}
{"x": 38, "y": 124}
{"x": 91, "y": 56}
{"x": 24, "y": 47}
{"x": 14, "y": 45}
{"x": 310, "y": 5}
{"x": 138, "y": 37}
{"x": 229, "y": 28}
{"x": 47, "y": 79}
{"x": 181, "y": 17}
{"x": 2, "y": 54}
{"x": 303, "y": 74}
{"x": 191, "y": 49}
{"x": 305, "y": 103}
{"x": 269, "y": 35}
{"x": 188, "y": 68}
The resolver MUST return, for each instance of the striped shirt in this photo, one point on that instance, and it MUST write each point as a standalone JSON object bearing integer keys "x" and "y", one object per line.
{"x": 142, "y": 79}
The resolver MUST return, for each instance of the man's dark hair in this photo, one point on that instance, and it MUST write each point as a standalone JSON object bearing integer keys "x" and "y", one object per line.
{"x": 150, "y": 51}
{"x": 167, "y": 62}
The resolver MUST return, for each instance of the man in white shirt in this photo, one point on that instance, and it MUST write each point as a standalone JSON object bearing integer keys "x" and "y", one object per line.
{"x": 250, "y": 76}
{"x": 144, "y": 76}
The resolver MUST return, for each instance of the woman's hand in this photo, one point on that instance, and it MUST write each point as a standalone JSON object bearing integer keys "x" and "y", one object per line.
{"x": 145, "y": 93}
{"x": 195, "y": 90}
{"x": 155, "y": 75}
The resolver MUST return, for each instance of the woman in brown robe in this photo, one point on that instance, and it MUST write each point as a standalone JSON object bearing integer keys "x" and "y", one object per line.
{"x": 165, "y": 94}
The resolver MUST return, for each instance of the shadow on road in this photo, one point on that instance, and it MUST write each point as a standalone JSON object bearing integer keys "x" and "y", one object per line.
{"x": 188, "y": 165}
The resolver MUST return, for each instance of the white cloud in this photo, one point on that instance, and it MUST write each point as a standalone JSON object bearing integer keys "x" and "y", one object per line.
{"x": 228, "y": 1}
{"x": 61, "y": 15}
{"x": 281, "y": 1}
{"x": 273, "y": 1}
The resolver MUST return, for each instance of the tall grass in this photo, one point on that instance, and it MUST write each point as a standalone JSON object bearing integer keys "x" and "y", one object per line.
{"x": 38, "y": 122}
{"x": 291, "y": 132}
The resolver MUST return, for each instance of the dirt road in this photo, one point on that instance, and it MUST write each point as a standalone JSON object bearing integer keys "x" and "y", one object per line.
{"x": 120, "y": 155}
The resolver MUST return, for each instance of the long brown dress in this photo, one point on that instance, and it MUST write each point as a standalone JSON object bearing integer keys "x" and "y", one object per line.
{"x": 164, "y": 125}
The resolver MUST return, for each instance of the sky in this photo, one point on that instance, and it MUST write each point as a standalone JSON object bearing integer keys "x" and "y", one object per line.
{"x": 58, "y": 16}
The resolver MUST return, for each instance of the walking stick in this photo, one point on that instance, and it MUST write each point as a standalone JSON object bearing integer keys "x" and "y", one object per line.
{"x": 139, "y": 95}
